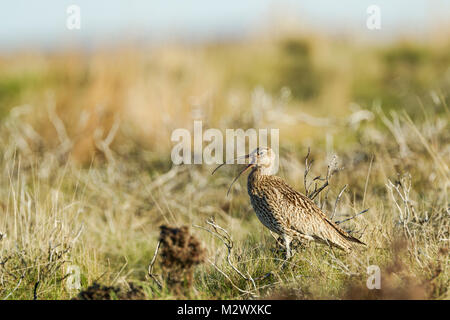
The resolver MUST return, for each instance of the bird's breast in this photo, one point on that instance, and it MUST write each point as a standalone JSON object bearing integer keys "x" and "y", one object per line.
{"x": 264, "y": 202}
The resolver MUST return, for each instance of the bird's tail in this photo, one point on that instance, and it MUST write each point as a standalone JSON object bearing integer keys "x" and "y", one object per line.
{"x": 344, "y": 234}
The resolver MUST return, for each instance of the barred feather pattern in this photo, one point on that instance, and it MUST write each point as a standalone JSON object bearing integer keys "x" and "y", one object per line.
{"x": 292, "y": 215}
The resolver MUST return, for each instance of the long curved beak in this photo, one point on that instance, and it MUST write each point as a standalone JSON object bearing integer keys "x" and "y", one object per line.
{"x": 240, "y": 173}
{"x": 226, "y": 162}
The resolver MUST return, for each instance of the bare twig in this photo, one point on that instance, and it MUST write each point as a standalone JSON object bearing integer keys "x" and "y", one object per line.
{"x": 152, "y": 263}
{"x": 225, "y": 237}
{"x": 17, "y": 286}
{"x": 331, "y": 170}
{"x": 229, "y": 279}
{"x": 22, "y": 276}
{"x": 312, "y": 194}
{"x": 36, "y": 285}
{"x": 337, "y": 201}
{"x": 307, "y": 169}
{"x": 352, "y": 217}
{"x": 402, "y": 189}
{"x": 325, "y": 199}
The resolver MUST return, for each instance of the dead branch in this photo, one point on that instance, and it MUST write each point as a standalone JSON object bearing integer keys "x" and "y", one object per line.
{"x": 229, "y": 279}
{"x": 307, "y": 169}
{"x": 225, "y": 237}
{"x": 331, "y": 170}
{"x": 36, "y": 285}
{"x": 22, "y": 276}
{"x": 152, "y": 263}
{"x": 352, "y": 217}
{"x": 337, "y": 201}
{"x": 402, "y": 201}
{"x": 17, "y": 286}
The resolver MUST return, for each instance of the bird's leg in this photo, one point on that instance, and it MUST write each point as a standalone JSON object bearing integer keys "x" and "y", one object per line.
{"x": 287, "y": 242}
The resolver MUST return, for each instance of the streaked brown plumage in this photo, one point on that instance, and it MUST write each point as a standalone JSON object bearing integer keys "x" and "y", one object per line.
{"x": 287, "y": 212}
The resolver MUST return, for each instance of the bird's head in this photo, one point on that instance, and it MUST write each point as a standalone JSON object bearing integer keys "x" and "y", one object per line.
{"x": 262, "y": 158}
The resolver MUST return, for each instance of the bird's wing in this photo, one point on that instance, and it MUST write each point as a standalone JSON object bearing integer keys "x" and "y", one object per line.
{"x": 311, "y": 219}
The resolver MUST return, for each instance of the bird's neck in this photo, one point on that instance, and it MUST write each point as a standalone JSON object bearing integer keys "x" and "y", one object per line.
{"x": 264, "y": 171}
{"x": 259, "y": 172}
{"x": 256, "y": 179}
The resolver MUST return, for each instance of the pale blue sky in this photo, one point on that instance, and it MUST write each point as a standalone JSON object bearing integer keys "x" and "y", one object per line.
{"x": 43, "y": 22}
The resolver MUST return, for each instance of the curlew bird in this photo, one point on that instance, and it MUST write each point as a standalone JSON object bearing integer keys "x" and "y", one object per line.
{"x": 285, "y": 211}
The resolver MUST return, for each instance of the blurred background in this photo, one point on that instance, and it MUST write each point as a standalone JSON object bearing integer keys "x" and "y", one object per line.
{"x": 42, "y": 24}
{"x": 154, "y": 66}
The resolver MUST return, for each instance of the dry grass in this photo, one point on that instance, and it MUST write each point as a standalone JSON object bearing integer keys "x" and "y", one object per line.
{"x": 86, "y": 178}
